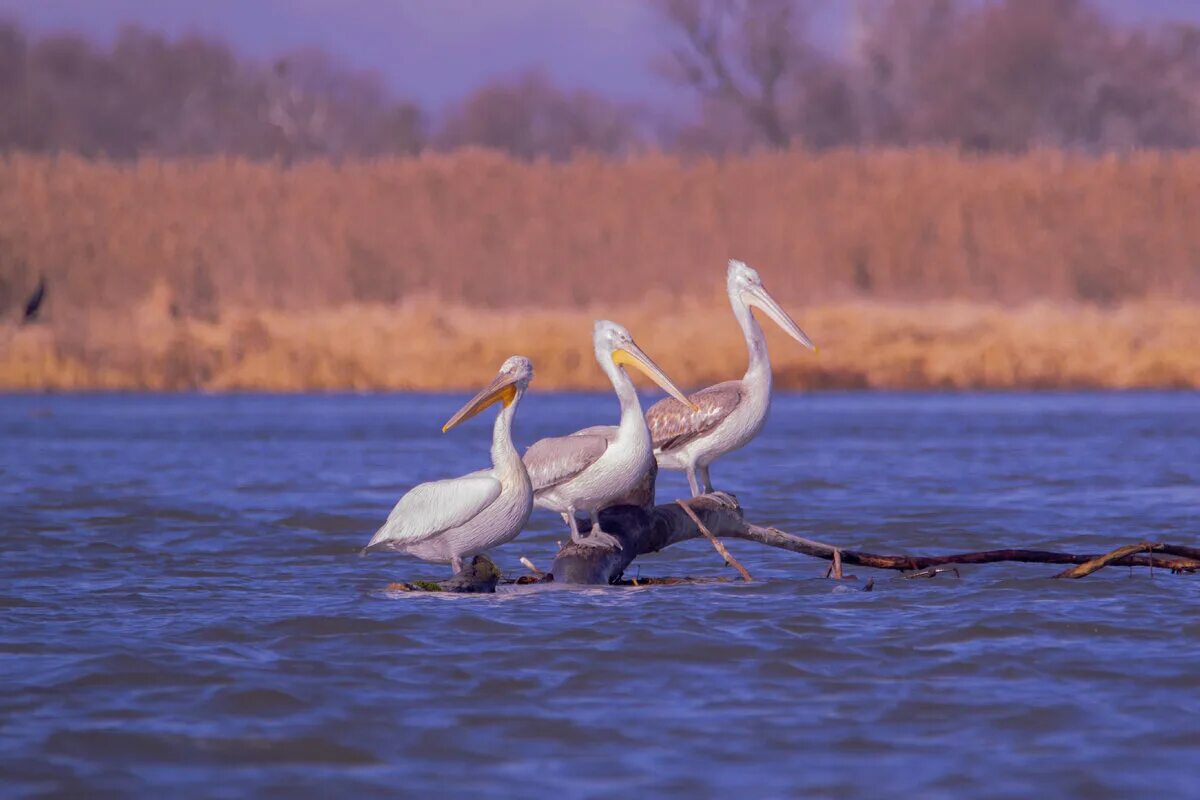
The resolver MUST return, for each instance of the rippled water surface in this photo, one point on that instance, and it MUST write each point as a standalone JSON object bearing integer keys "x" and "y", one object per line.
{"x": 185, "y": 613}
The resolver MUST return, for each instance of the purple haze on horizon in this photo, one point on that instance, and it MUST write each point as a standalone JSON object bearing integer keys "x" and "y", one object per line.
{"x": 435, "y": 51}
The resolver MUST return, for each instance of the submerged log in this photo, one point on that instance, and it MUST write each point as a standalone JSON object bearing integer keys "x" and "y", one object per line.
{"x": 642, "y": 531}
{"x": 797, "y": 544}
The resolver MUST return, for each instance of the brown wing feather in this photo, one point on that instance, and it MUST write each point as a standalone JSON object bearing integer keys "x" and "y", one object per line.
{"x": 557, "y": 459}
{"x": 672, "y": 424}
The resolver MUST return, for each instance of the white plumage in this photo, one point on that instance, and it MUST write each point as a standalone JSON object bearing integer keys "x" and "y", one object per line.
{"x": 726, "y": 416}
{"x": 435, "y": 507}
{"x": 595, "y": 467}
{"x": 448, "y": 520}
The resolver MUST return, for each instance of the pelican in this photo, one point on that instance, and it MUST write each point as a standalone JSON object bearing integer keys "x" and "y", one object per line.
{"x": 595, "y": 467}
{"x": 447, "y": 520}
{"x": 723, "y": 417}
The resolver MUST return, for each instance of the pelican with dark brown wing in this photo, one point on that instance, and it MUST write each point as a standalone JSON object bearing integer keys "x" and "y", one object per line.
{"x": 726, "y": 416}
{"x": 596, "y": 467}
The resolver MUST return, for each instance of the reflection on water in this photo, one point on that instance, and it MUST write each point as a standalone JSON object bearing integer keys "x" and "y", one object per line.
{"x": 181, "y": 591}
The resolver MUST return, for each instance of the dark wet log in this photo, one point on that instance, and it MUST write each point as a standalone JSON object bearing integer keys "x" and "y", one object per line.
{"x": 643, "y": 531}
{"x": 1192, "y": 553}
{"x": 640, "y": 532}
{"x": 797, "y": 544}
{"x": 478, "y": 577}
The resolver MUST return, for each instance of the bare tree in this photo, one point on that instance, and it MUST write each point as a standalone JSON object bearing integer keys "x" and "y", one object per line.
{"x": 999, "y": 75}
{"x": 149, "y": 95}
{"x": 1014, "y": 74}
{"x": 894, "y": 42}
{"x": 1144, "y": 90}
{"x": 318, "y": 107}
{"x": 529, "y": 116}
{"x": 14, "y": 60}
{"x": 759, "y": 78}
{"x": 740, "y": 54}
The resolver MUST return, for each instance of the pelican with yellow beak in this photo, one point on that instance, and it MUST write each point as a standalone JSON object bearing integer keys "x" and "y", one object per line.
{"x": 690, "y": 436}
{"x": 595, "y": 467}
{"x": 449, "y": 520}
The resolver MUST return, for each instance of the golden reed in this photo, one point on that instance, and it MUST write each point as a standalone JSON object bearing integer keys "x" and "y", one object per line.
{"x": 420, "y": 346}
{"x": 911, "y": 269}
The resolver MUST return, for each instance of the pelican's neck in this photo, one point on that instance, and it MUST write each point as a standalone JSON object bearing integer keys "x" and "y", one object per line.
{"x": 631, "y": 407}
{"x": 505, "y": 458}
{"x": 758, "y": 373}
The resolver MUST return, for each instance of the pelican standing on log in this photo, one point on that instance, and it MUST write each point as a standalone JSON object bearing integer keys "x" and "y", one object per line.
{"x": 593, "y": 468}
{"x": 724, "y": 417}
{"x": 447, "y": 520}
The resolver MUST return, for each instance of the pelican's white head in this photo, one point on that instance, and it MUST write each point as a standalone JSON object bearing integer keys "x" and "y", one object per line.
{"x": 616, "y": 349}
{"x": 520, "y": 367}
{"x": 746, "y": 289}
{"x": 507, "y": 387}
{"x": 741, "y": 277}
{"x": 609, "y": 337}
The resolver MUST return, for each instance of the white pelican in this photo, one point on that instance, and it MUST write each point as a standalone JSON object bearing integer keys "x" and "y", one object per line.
{"x": 592, "y": 468}
{"x": 448, "y": 520}
{"x": 723, "y": 417}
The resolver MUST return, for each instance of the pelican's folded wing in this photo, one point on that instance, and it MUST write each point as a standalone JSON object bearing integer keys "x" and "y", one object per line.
{"x": 430, "y": 508}
{"x": 557, "y": 459}
{"x": 672, "y": 424}
{"x": 608, "y": 432}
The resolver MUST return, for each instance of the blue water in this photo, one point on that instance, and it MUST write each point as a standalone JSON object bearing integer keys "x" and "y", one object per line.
{"x": 183, "y": 610}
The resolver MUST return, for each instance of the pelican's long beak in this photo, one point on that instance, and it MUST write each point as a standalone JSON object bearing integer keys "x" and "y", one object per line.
{"x": 759, "y": 297}
{"x": 634, "y": 356}
{"x": 502, "y": 389}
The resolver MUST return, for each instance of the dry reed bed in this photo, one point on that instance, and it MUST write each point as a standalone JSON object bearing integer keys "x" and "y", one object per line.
{"x": 487, "y": 231}
{"x": 913, "y": 269}
{"x": 417, "y": 346}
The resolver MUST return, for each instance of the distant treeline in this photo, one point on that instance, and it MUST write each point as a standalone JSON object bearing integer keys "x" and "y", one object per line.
{"x": 1007, "y": 75}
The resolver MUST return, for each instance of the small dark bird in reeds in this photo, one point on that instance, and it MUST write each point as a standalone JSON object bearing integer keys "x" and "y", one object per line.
{"x": 34, "y": 304}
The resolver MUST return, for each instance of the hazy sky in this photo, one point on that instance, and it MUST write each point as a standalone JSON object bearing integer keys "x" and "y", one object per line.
{"x": 436, "y": 50}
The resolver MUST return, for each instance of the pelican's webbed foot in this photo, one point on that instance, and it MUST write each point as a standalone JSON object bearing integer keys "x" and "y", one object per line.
{"x": 597, "y": 538}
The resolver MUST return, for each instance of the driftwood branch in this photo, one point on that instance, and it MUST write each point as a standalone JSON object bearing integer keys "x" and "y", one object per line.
{"x": 1088, "y": 567}
{"x": 646, "y": 531}
{"x": 716, "y": 543}
{"x": 808, "y": 547}
{"x": 717, "y": 515}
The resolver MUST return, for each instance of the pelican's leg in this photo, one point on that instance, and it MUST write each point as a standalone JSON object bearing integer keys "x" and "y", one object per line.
{"x": 456, "y": 564}
{"x": 569, "y": 516}
{"x": 597, "y": 537}
{"x": 705, "y": 479}
{"x": 691, "y": 473}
